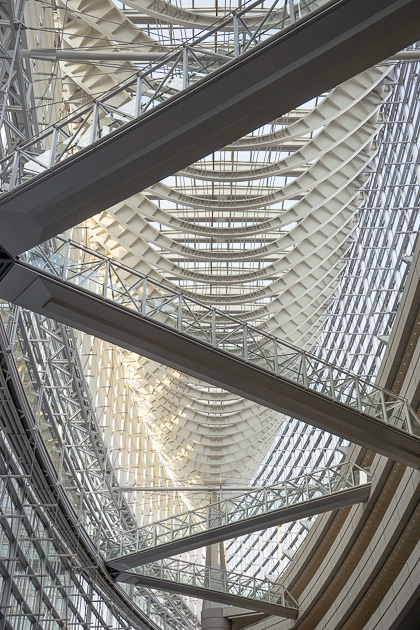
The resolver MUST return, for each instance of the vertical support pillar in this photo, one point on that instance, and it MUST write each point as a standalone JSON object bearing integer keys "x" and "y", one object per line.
{"x": 236, "y": 46}
{"x": 212, "y": 614}
{"x": 138, "y": 103}
{"x": 185, "y": 69}
{"x": 212, "y": 619}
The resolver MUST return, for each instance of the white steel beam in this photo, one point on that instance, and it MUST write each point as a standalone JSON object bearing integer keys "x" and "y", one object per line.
{"x": 168, "y": 327}
{"x": 310, "y": 56}
{"x": 311, "y": 494}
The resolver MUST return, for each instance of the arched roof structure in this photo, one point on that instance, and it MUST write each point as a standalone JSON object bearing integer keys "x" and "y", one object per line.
{"x": 303, "y": 228}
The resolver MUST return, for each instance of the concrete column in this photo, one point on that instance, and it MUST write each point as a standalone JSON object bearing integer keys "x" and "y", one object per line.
{"x": 212, "y": 619}
{"x": 212, "y": 613}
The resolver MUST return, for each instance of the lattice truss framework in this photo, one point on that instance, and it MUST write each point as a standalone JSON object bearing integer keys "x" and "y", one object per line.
{"x": 272, "y": 228}
{"x": 266, "y": 248}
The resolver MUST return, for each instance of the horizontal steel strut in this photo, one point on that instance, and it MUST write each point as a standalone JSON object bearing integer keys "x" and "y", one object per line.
{"x": 111, "y": 301}
{"x": 330, "y": 45}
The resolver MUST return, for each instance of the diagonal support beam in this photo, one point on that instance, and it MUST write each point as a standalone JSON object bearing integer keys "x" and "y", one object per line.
{"x": 171, "y": 328}
{"x": 336, "y": 42}
{"x": 308, "y": 495}
{"x": 215, "y": 585}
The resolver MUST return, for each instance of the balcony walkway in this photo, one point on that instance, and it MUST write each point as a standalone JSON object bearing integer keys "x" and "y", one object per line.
{"x": 214, "y": 585}
{"x": 308, "y": 495}
{"x": 83, "y": 289}
{"x": 190, "y": 104}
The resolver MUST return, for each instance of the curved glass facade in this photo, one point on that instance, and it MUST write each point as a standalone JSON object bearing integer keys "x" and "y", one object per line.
{"x": 305, "y": 229}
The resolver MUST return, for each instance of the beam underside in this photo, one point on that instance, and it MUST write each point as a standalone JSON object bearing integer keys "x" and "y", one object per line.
{"x": 207, "y": 594}
{"x": 300, "y": 63}
{"x": 246, "y": 526}
{"x": 78, "y": 308}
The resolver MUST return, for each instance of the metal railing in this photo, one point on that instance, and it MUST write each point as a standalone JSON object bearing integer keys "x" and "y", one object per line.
{"x": 62, "y": 413}
{"x": 190, "y": 62}
{"x": 213, "y": 579}
{"x": 319, "y": 483}
{"x": 125, "y": 287}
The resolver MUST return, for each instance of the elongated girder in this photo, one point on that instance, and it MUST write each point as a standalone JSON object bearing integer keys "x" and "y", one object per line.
{"x": 320, "y": 491}
{"x": 93, "y": 293}
{"x": 218, "y": 103}
{"x": 215, "y": 585}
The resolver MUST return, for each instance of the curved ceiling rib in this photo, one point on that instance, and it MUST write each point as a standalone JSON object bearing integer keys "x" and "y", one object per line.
{"x": 227, "y": 103}
{"x": 262, "y": 228}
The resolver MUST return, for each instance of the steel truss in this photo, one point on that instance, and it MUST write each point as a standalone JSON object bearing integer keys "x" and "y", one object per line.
{"x": 18, "y": 120}
{"x": 412, "y": 205}
{"x": 49, "y": 568}
{"x": 215, "y": 584}
{"x": 319, "y": 491}
{"x": 209, "y": 114}
{"x": 174, "y": 71}
{"x": 369, "y": 414}
{"x": 65, "y": 436}
{"x": 65, "y": 421}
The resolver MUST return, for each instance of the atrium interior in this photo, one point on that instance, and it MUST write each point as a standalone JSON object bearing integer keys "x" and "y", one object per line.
{"x": 209, "y": 315}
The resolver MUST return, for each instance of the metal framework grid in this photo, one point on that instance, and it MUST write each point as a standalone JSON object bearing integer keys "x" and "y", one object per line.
{"x": 361, "y": 313}
{"x": 65, "y": 421}
{"x": 387, "y": 226}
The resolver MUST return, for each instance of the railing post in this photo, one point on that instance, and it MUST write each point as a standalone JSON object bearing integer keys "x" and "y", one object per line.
{"x": 276, "y": 357}
{"x": 179, "y": 318}
{"x": 13, "y": 323}
{"x": 292, "y": 12}
{"x": 407, "y": 417}
{"x": 139, "y": 85}
{"x": 383, "y": 405}
{"x": 53, "y": 147}
{"x": 144, "y": 298}
{"x": 353, "y": 479}
{"x": 304, "y": 370}
{"x": 236, "y": 47}
{"x": 359, "y": 399}
{"x": 15, "y": 169}
{"x": 185, "y": 67}
{"x": 95, "y": 121}
{"x": 245, "y": 342}
{"x": 213, "y": 328}
{"x": 106, "y": 279}
{"x": 332, "y": 382}
{"x": 66, "y": 259}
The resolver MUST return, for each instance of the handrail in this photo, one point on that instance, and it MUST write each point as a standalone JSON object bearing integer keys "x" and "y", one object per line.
{"x": 252, "y": 509}
{"x": 263, "y": 593}
{"x": 176, "y": 71}
{"x": 114, "y": 282}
